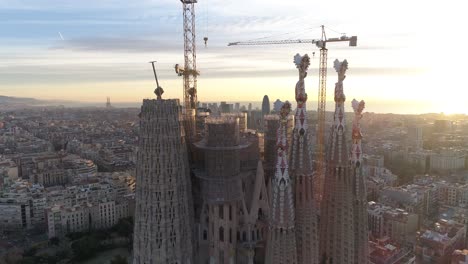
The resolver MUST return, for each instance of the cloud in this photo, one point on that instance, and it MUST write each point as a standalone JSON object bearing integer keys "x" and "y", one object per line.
{"x": 120, "y": 44}
{"x": 82, "y": 73}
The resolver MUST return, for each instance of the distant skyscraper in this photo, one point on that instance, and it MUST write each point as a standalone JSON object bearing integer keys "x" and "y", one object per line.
{"x": 415, "y": 138}
{"x": 255, "y": 120}
{"x": 270, "y": 137}
{"x": 281, "y": 244}
{"x": 277, "y": 105}
{"x": 163, "y": 217}
{"x": 226, "y": 108}
{"x": 237, "y": 107}
{"x": 265, "y": 105}
{"x": 250, "y": 107}
{"x": 108, "y": 103}
{"x": 301, "y": 169}
{"x": 342, "y": 221}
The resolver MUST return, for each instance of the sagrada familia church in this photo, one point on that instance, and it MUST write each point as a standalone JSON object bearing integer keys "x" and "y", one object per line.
{"x": 235, "y": 196}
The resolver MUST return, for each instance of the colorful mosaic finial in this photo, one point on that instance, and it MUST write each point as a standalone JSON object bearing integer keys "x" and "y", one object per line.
{"x": 356, "y": 148}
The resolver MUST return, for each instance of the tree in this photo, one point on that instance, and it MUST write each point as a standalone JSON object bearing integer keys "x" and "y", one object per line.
{"x": 28, "y": 260}
{"x": 30, "y": 252}
{"x": 64, "y": 250}
{"x": 404, "y": 169}
{"x": 125, "y": 227}
{"x": 13, "y": 256}
{"x": 119, "y": 260}
{"x": 54, "y": 241}
{"x": 85, "y": 247}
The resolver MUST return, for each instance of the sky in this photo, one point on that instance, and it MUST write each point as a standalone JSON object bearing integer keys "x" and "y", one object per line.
{"x": 409, "y": 58}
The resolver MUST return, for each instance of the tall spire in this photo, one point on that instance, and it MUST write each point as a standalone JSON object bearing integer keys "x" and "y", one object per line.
{"x": 281, "y": 247}
{"x": 282, "y": 214}
{"x": 337, "y": 225}
{"x": 361, "y": 251}
{"x": 302, "y": 173}
{"x": 338, "y": 150}
{"x": 301, "y": 128}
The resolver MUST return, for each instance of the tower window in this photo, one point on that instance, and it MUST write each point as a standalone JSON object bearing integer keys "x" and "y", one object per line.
{"x": 221, "y": 211}
{"x": 221, "y": 234}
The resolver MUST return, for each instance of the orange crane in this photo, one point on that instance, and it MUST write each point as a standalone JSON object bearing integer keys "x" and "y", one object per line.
{"x": 322, "y": 92}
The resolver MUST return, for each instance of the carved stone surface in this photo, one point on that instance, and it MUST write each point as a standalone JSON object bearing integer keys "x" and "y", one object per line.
{"x": 360, "y": 202}
{"x": 343, "y": 225}
{"x": 281, "y": 244}
{"x": 163, "y": 214}
{"x": 234, "y": 200}
{"x": 301, "y": 169}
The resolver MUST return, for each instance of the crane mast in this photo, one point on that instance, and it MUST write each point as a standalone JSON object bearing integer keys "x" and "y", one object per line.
{"x": 189, "y": 71}
{"x": 322, "y": 94}
{"x": 321, "y": 112}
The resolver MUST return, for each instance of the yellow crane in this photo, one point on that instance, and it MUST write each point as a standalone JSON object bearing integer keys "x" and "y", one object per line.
{"x": 322, "y": 91}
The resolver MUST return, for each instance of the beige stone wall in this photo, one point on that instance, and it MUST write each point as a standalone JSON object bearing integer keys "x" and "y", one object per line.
{"x": 163, "y": 217}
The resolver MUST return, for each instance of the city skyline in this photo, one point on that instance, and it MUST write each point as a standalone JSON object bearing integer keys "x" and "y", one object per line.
{"x": 86, "y": 51}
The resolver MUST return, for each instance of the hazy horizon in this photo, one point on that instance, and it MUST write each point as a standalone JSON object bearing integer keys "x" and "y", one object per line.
{"x": 380, "y": 107}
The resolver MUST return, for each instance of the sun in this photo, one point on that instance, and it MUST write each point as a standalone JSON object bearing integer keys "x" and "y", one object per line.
{"x": 454, "y": 107}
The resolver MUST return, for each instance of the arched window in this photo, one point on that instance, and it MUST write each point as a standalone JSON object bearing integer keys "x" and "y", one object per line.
{"x": 221, "y": 211}
{"x": 221, "y": 234}
{"x": 205, "y": 235}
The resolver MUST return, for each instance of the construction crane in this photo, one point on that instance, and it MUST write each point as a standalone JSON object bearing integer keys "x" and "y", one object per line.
{"x": 189, "y": 71}
{"x": 322, "y": 91}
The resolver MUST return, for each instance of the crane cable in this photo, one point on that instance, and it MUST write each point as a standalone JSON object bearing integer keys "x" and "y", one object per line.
{"x": 284, "y": 34}
{"x": 334, "y": 30}
{"x": 205, "y": 39}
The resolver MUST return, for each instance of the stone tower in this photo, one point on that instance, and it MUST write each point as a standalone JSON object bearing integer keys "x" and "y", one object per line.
{"x": 163, "y": 217}
{"x": 341, "y": 236}
{"x": 302, "y": 174}
{"x": 281, "y": 243}
{"x": 221, "y": 187}
{"x": 234, "y": 208}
